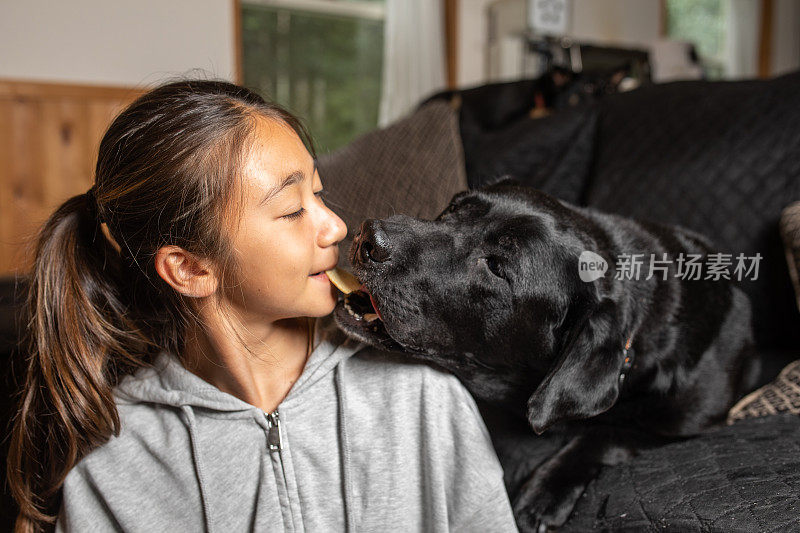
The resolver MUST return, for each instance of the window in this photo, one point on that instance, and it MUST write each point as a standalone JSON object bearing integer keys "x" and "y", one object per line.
{"x": 322, "y": 59}
{"x": 704, "y": 23}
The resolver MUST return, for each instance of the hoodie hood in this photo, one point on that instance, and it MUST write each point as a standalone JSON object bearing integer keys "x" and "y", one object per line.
{"x": 168, "y": 382}
{"x": 363, "y": 443}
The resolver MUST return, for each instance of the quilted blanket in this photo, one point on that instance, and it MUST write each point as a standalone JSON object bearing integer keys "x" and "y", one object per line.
{"x": 741, "y": 478}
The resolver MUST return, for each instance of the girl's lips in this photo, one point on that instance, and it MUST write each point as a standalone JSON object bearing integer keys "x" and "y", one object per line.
{"x": 321, "y": 276}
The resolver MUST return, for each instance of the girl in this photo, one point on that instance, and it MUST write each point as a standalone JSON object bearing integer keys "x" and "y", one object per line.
{"x": 177, "y": 379}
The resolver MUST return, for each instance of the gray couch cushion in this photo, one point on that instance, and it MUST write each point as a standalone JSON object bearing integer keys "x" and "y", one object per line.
{"x": 412, "y": 167}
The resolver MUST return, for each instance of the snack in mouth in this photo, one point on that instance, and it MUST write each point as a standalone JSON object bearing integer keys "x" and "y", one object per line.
{"x": 344, "y": 280}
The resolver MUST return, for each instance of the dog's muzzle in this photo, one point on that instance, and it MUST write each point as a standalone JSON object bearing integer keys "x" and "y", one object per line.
{"x": 371, "y": 244}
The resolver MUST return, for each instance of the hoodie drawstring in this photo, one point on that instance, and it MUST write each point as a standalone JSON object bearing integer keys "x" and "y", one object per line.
{"x": 198, "y": 463}
{"x": 344, "y": 443}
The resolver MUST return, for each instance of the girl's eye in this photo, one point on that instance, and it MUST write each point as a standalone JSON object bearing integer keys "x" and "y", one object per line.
{"x": 297, "y": 214}
{"x": 302, "y": 211}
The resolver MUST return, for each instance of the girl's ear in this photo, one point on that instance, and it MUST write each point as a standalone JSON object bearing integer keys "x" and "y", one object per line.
{"x": 185, "y": 272}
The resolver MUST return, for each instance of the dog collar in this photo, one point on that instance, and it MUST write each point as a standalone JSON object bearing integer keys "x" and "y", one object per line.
{"x": 627, "y": 362}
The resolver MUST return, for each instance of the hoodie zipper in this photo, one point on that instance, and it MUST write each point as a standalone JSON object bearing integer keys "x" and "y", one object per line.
{"x": 274, "y": 442}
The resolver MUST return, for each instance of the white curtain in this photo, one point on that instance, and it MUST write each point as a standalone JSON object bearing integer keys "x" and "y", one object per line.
{"x": 744, "y": 20}
{"x": 413, "y": 56}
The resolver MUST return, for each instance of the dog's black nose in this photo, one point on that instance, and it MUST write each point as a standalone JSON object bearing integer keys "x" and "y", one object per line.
{"x": 373, "y": 245}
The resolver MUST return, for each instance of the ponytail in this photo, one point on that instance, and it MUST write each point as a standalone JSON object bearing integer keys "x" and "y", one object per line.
{"x": 77, "y": 320}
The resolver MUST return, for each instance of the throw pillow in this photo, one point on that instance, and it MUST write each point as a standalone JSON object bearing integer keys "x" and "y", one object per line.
{"x": 780, "y": 396}
{"x": 790, "y": 232}
{"x": 412, "y": 167}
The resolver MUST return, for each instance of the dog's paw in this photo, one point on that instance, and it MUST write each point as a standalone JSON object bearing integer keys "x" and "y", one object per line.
{"x": 538, "y": 509}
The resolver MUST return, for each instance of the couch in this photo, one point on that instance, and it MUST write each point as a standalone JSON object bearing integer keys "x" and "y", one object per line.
{"x": 720, "y": 158}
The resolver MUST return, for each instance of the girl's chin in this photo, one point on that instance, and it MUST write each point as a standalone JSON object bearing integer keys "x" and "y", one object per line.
{"x": 325, "y": 303}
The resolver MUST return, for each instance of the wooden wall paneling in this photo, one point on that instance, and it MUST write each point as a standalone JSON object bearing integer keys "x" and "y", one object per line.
{"x": 99, "y": 116}
{"x": 64, "y": 139}
{"x": 26, "y": 186}
{"x": 6, "y": 263}
{"x": 49, "y": 137}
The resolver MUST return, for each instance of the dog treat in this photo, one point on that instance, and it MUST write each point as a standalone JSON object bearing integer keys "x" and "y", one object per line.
{"x": 344, "y": 280}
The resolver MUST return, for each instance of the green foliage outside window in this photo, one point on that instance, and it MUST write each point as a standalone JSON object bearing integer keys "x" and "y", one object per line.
{"x": 324, "y": 68}
{"x": 701, "y": 22}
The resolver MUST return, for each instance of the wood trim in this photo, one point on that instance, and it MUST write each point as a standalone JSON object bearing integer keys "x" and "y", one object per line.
{"x": 451, "y": 41}
{"x": 237, "y": 42}
{"x": 663, "y": 23}
{"x": 765, "y": 40}
{"x": 38, "y": 89}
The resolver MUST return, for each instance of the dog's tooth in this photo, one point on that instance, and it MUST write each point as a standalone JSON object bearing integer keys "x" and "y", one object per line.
{"x": 370, "y": 317}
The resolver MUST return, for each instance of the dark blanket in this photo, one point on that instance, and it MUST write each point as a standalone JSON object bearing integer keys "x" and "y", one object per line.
{"x": 741, "y": 478}
{"x": 552, "y": 154}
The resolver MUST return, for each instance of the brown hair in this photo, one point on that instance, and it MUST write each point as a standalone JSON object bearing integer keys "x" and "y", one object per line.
{"x": 168, "y": 171}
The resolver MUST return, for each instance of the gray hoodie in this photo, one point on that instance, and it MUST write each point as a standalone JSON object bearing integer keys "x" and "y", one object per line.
{"x": 364, "y": 441}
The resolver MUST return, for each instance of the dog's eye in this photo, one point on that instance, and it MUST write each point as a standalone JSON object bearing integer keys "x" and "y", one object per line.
{"x": 495, "y": 266}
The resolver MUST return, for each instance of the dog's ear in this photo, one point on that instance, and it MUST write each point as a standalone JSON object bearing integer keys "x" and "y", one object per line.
{"x": 584, "y": 380}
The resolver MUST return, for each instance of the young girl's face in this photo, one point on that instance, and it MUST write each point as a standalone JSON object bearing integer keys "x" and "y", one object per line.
{"x": 286, "y": 237}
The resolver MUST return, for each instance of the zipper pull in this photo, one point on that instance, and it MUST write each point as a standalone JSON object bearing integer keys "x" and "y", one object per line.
{"x": 274, "y": 442}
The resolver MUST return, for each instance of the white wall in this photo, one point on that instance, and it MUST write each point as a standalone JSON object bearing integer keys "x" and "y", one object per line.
{"x": 473, "y": 28}
{"x": 614, "y": 22}
{"x": 129, "y": 42}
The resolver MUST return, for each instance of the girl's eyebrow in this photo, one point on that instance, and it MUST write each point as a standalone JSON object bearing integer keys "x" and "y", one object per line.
{"x": 291, "y": 179}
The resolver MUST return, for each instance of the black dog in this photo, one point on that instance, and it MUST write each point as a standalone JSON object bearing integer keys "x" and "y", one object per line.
{"x": 491, "y": 291}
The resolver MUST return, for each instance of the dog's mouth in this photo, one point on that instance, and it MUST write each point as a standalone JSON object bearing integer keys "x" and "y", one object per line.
{"x": 359, "y": 316}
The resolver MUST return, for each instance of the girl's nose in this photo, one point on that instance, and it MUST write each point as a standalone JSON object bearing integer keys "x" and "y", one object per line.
{"x": 333, "y": 229}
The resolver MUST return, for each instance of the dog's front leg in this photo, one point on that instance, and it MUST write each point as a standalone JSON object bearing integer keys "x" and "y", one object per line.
{"x": 546, "y": 500}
